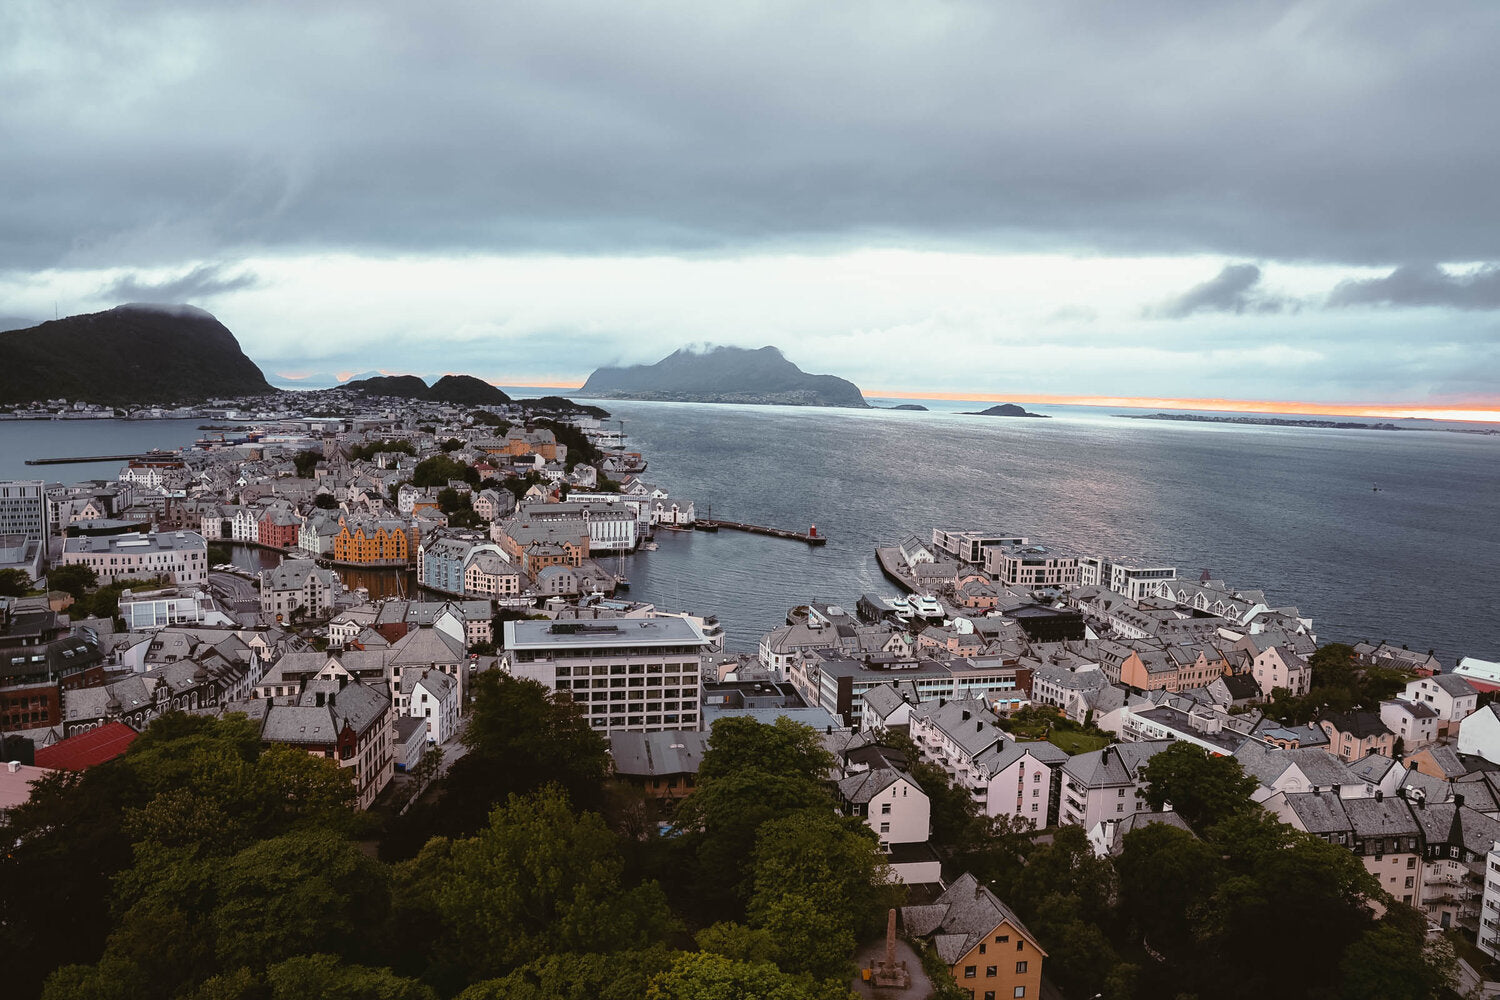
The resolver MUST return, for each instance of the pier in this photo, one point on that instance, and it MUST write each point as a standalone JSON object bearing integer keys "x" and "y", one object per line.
{"x": 151, "y": 456}
{"x": 811, "y": 536}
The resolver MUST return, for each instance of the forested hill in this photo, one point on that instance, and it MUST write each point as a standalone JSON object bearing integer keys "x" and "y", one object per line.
{"x": 129, "y": 354}
{"x": 724, "y": 375}
{"x": 462, "y": 389}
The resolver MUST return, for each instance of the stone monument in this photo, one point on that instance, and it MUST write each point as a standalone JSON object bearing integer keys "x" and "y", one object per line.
{"x": 888, "y": 973}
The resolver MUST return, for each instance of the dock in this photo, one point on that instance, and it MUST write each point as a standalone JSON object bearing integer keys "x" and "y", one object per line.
{"x": 149, "y": 456}
{"x": 811, "y": 536}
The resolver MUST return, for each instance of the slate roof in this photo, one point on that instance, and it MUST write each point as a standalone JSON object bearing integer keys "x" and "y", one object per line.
{"x": 1116, "y": 764}
{"x": 962, "y": 916}
{"x": 1319, "y": 812}
{"x": 1140, "y": 820}
{"x": 1455, "y": 685}
{"x": 426, "y": 645}
{"x": 1268, "y": 764}
{"x": 658, "y": 754}
{"x": 1387, "y": 817}
{"x": 865, "y": 785}
{"x": 967, "y": 723}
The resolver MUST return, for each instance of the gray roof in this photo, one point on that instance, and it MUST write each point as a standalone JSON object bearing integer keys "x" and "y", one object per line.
{"x": 962, "y": 916}
{"x": 1137, "y": 821}
{"x": 426, "y": 645}
{"x": 1455, "y": 685}
{"x": 652, "y": 754}
{"x": 1268, "y": 764}
{"x": 1319, "y": 812}
{"x": 1386, "y": 817}
{"x": 1116, "y": 764}
{"x": 292, "y": 574}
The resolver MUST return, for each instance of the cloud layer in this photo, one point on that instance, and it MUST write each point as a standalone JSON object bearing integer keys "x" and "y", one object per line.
{"x": 1162, "y": 192}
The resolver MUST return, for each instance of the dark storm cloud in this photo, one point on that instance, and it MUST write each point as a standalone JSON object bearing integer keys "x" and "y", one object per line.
{"x": 1423, "y": 285}
{"x": 1235, "y": 289}
{"x": 176, "y": 131}
{"x": 201, "y": 282}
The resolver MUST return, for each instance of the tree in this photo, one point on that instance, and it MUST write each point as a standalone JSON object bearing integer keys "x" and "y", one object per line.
{"x": 328, "y": 978}
{"x": 520, "y": 738}
{"x": 751, "y": 774}
{"x": 325, "y": 501}
{"x": 1392, "y": 964}
{"x": 622, "y": 975}
{"x": 14, "y": 583}
{"x": 538, "y": 879}
{"x": 1266, "y": 864}
{"x": 439, "y": 470}
{"x": 820, "y": 885}
{"x": 451, "y": 445}
{"x": 300, "y": 892}
{"x": 306, "y": 463}
{"x": 706, "y": 976}
{"x": 76, "y": 579}
{"x": 1204, "y": 789}
{"x": 1168, "y": 878}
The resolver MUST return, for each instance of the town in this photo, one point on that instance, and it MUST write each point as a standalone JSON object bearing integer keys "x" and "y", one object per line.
{"x": 1006, "y": 706}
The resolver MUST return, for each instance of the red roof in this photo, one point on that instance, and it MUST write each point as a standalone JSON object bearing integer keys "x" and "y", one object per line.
{"x": 96, "y": 746}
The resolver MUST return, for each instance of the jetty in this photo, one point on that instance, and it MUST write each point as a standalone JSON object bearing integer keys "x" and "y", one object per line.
{"x": 811, "y": 536}
{"x": 148, "y": 457}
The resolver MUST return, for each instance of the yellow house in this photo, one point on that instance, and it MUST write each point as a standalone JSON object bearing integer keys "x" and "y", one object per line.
{"x": 990, "y": 953}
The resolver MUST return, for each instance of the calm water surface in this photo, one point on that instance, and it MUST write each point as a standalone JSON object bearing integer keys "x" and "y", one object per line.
{"x": 1292, "y": 511}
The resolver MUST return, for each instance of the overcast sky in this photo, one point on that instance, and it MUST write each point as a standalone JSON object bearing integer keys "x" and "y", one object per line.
{"x": 1254, "y": 201}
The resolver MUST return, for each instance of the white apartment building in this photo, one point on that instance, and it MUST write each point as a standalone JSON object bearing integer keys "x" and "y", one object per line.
{"x": 1106, "y": 784}
{"x": 1452, "y": 697}
{"x": 969, "y": 546}
{"x": 1031, "y": 566}
{"x": 1135, "y": 579}
{"x": 1005, "y": 778}
{"x": 891, "y": 804}
{"x": 636, "y": 675}
{"x": 180, "y": 555}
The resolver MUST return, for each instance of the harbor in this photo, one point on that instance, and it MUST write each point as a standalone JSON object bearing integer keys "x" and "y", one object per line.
{"x": 811, "y": 536}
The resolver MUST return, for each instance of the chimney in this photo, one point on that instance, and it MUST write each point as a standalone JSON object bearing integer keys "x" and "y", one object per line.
{"x": 978, "y": 725}
{"x": 319, "y": 697}
{"x": 1458, "y": 798}
{"x": 1379, "y": 795}
{"x": 966, "y": 715}
{"x": 13, "y": 766}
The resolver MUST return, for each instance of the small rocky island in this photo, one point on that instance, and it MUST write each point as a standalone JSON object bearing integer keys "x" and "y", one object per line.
{"x": 1005, "y": 410}
{"x": 724, "y": 375}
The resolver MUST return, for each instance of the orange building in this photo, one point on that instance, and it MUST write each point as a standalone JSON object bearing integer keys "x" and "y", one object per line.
{"x": 373, "y": 541}
{"x": 984, "y": 944}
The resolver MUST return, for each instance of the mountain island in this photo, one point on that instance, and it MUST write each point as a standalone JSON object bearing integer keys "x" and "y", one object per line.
{"x": 724, "y": 375}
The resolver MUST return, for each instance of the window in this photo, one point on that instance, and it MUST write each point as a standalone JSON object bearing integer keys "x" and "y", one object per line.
{"x": 1411, "y": 862}
{"x": 970, "y": 971}
{"x": 885, "y": 828}
{"x": 1002, "y": 939}
{"x": 1020, "y": 991}
{"x": 1020, "y": 966}
{"x": 990, "y": 971}
{"x": 885, "y": 808}
{"x": 1020, "y": 944}
{"x": 989, "y": 995}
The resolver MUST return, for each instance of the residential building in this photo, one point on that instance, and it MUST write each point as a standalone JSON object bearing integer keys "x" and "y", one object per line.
{"x": 1353, "y": 735}
{"x": 663, "y": 764}
{"x": 1134, "y": 578}
{"x": 181, "y": 556}
{"x": 1279, "y": 667}
{"x": 432, "y": 696}
{"x": 1393, "y": 657}
{"x": 1479, "y": 734}
{"x": 1004, "y": 776}
{"x": 639, "y": 675}
{"x": 344, "y": 720}
{"x": 969, "y": 546}
{"x": 989, "y": 952}
{"x": 1482, "y": 674}
{"x": 890, "y": 802}
{"x": 1451, "y": 696}
{"x": 369, "y": 541}
{"x": 1415, "y": 723}
{"x": 1031, "y": 566}
{"x": 298, "y": 588}
{"x": 41, "y": 659}
{"x": 1105, "y": 784}
{"x": 1457, "y": 841}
